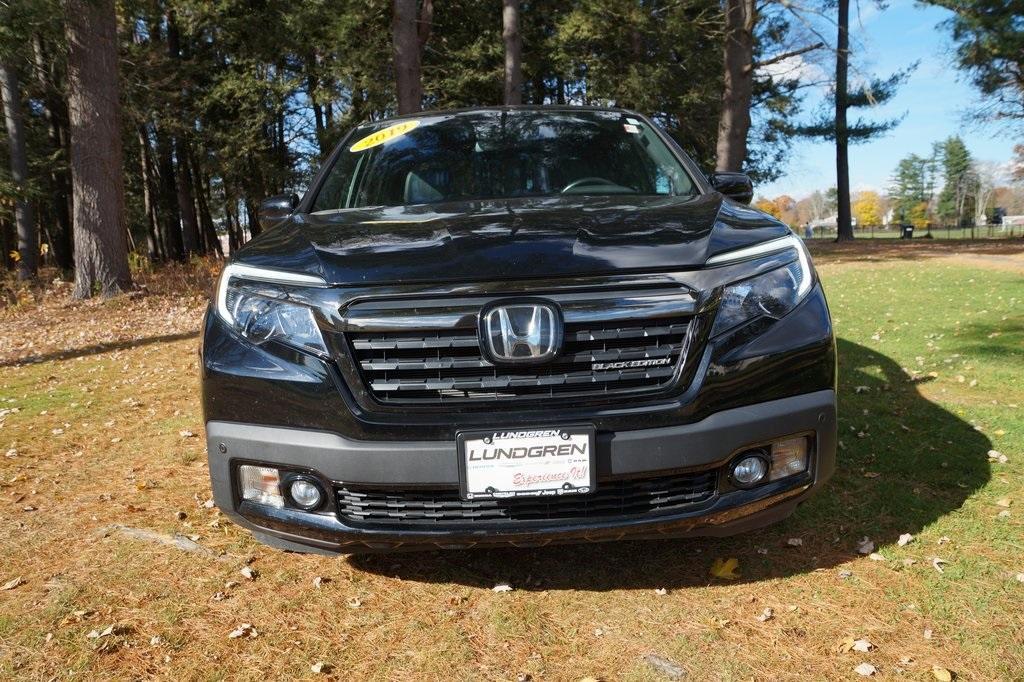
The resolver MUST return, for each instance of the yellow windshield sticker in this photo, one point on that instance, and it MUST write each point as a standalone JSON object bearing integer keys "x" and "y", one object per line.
{"x": 385, "y": 135}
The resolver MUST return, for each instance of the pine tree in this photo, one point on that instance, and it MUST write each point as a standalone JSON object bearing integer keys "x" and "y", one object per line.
{"x": 956, "y": 200}
{"x": 101, "y": 249}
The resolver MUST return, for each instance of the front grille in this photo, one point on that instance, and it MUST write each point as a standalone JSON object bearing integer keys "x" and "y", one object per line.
{"x": 631, "y": 497}
{"x": 446, "y": 366}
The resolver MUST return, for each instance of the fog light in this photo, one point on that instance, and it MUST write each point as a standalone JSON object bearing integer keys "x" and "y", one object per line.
{"x": 305, "y": 493}
{"x": 749, "y": 469}
{"x": 789, "y": 457}
{"x": 260, "y": 484}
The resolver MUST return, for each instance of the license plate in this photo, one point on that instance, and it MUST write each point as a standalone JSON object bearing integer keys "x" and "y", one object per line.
{"x": 526, "y": 462}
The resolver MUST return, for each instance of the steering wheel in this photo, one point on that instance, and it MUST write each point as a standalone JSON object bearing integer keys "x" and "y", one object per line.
{"x": 586, "y": 181}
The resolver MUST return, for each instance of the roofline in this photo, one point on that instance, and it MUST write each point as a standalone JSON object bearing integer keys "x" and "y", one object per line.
{"x": 502, "y": 107}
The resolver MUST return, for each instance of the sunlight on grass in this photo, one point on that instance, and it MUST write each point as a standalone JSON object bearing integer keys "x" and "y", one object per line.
{"x": 931, "y": 354}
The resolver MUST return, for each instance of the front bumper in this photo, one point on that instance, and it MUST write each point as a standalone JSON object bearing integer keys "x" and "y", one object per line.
{"x": 704, "y": 445}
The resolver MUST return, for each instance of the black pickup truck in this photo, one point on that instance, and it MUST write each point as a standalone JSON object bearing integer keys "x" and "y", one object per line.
{"x": 517, "y": 326}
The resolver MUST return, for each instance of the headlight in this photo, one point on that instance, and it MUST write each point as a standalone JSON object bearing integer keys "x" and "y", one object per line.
{"x": 771, "y": 294}
{"x": 257, "y": 304}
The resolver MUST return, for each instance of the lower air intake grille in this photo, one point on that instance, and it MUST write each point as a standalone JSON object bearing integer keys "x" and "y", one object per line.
{"x": 633, "y": 497}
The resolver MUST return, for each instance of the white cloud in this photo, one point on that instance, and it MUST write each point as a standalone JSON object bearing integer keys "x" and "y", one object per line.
{"x": 794, "y": 68}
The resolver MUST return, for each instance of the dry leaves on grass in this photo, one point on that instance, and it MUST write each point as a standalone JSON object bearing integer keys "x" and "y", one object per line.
{"x": 854, "y": 644}
{"x": 244, "y": 630}
{"x": 12, "y": 583}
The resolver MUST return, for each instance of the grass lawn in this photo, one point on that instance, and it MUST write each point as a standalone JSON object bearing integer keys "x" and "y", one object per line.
{"x": 102, "y": 464}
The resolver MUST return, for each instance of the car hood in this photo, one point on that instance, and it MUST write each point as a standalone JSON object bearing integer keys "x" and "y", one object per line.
{"x": 522, "y": 238}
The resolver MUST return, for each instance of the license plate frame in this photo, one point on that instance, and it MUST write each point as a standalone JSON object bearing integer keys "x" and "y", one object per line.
{"x": 504, "y": 468}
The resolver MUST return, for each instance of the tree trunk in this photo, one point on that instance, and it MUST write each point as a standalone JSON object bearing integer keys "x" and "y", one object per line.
{"x": 28, "y": 239}
{"x": 405, "y": 38}
{"x": 101, "y": 249}
{"x": 167, "y": 197}
{"x": 153, "y": 246}
{"x": 251, "y": 219}
{"x": 56, "y": 114}
{"x": 186, "y": 202}
{"x": 313, "y": 90}
{"x": 844, "y": 226}
{"x": 206, "y": 226}
{"x": 234, "y": 229}
{"x": 513, "y": 52}
{"x": 737, "y": 93}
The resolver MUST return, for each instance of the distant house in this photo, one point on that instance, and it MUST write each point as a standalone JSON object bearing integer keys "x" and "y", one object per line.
{"x": 829, "y": 223}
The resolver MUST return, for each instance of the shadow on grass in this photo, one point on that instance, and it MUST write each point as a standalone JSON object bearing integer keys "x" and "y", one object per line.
{"x": 97, "y": 349}
{"x": 904, "y": 463}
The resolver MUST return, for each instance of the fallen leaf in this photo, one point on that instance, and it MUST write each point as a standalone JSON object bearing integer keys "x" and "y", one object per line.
{"x": 12, "y": 583}
{"x": 871, "y": 474}
{"x": 1004, "y": 502}
{"x": 766, "y": 615}
{"x": 726, "y": 569}
{"x": 862, "y": 645}
{"x": 354, "y": 603}
{"x": 875, "y": 556}
{"x": 865, "y": 546}
{"x": 320, "y": 668}
{"x": 243, "y": 630}
{"x": 502, "y": 587}
{"x": 185, "y": 433}
{"x": 927, "y": 634}
{"x": 865, "y": 669}
{"x": 942, "y": 674}
{"x": 795, "y": 542}
{"x": 938, "y": 563}
{"x": 996, "y": 456}
{"x": 248, "y": 573}
{"x": 661, "y": 591}
{"x": 905, "y": 540}
{"x": 320, "y": 581}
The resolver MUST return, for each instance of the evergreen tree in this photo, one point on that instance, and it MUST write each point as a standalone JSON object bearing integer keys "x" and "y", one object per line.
{"x": 909, "y": 187}
{"x": 956, "y": 200}
{"x": 990, "y": 47}
{"x": 834, "y": 124}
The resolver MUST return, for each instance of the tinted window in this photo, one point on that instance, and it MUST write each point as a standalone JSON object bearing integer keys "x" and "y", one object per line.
{"x": 500, "y": 154}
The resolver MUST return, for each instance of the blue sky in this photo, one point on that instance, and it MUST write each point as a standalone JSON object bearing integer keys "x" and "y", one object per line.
{"x": 933, "y": 99}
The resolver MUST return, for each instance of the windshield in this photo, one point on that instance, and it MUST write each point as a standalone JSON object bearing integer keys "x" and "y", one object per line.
{"x": 498, "y": 154}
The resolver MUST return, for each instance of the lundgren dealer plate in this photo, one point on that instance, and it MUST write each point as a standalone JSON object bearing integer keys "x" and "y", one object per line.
{"x": 526, "y": 462}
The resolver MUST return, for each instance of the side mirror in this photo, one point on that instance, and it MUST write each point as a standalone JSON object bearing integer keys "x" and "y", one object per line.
{"x": 736, "y": 186}
{"x": 273, "y": 210}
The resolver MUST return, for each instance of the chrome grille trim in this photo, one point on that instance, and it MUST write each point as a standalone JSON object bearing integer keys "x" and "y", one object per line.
{"x": 426, "y": 353}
